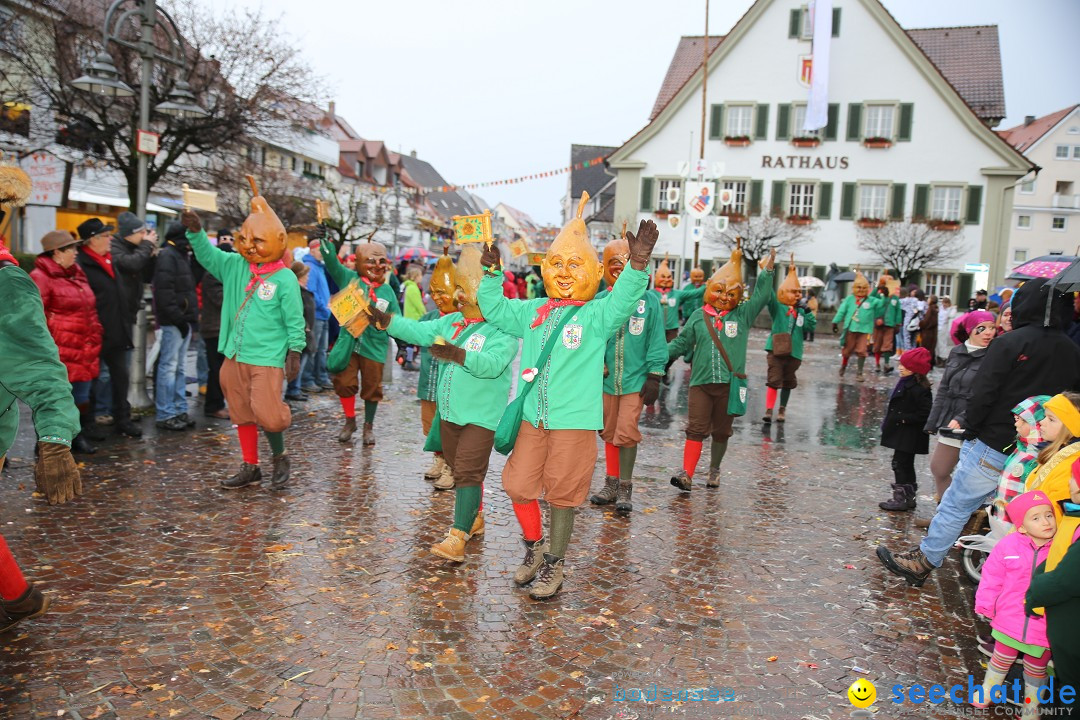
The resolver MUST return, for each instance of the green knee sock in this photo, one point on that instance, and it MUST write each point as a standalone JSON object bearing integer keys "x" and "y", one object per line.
{"x": 277, "y": 442}
{"x": 716, "y": 456}
{"x": 862, "y": 361}
{"x": 627, "y": 458}
{"x": 562, "y": 527}
{"x": 466, "y": 505}
{"x": 369, "y": 412}
{"x": 784, "y": 395}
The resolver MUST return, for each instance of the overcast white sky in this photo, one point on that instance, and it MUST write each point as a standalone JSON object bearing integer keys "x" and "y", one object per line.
{"x": 489, "y": 89}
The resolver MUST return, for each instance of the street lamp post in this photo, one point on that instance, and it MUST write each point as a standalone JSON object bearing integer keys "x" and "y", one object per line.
{"x": 103, "y": 79}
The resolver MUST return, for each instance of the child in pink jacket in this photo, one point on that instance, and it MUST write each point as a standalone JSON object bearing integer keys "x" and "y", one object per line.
{"x": 1006, "y": 576}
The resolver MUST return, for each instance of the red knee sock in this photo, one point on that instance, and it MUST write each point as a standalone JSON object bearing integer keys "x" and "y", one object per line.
{"x": 611, "y": 457}
{"x": 770, "y": 398}
{"x": 349, "y": 406}
{"x": 844, "y": 364}
{"x": 877, "y": 359}
{"x": 690, "y": 455}
{"x": 528, "y": 515}
{"x": 12, "y": 582}
{"x": 249, "y": 443}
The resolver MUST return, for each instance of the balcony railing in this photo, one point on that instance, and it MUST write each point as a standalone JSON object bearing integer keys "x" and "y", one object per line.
{"x": 1066, "y": 201}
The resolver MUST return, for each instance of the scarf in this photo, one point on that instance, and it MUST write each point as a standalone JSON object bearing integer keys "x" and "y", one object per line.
{"x": 105, "y": 261}
{"x": 372, "y": 287}
{"x": 464, "y": 323}
{"x": 718, "y": 314}
{"x": 6, "y": 256}
{"x": 259, "y": 271}
{"x": 544, "y": 310}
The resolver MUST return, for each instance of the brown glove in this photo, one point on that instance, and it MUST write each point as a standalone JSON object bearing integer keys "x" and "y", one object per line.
{"x": 449, "y": 353}
{"x": 190, "y": 221}
{"x": 650, "y": 391}
{"x": 490, "y": 258}
{"x": 292, "y": 365}
{"x": 642, "y": 244}
{"x": 381, "y": 320}
{"x": 56, "y": 474}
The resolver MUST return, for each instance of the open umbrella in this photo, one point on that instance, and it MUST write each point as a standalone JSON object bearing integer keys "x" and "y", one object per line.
{"x": 1066, "y": 281}
{"x": 846, "y": 276}
{"x": 809, "y": 281}
{"x": 416, "y": 253}
{"x": 1045, "y": 266}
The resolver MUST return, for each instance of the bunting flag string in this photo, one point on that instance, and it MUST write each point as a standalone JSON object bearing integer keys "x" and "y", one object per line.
{"x": 492, "y": 183}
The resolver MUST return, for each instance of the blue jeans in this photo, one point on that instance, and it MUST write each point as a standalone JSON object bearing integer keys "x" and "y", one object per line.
{"x": 202, "y": 367}
{"x": 102, "y": 387}
{"x": 315, "y": 370}
{"x": 293, "y": 388}
{"x": 170, "y": 379}
{"x": 975, "y": 477}
{"x": 80, "y": 392}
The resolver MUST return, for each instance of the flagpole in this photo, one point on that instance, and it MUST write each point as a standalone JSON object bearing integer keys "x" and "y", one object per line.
{"x": 704, "y": 112}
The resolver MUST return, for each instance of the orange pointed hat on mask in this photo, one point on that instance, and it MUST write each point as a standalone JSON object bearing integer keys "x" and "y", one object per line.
{"x": 262, "y": 223}
{"x": 730, "y": 273}
{"x": 860, "y": 282}
{"x": 789, "y": 291}
{"x": 442, "y": 277}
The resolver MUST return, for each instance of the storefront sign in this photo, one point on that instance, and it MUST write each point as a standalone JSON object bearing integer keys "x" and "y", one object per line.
{"x": 50, "y": 177}
{"x": 804, "y": 162}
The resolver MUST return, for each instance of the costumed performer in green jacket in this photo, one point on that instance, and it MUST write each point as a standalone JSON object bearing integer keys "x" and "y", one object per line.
{"x": 887, "y": 318}
{"x": 442, "y": 288}
{"x": 855, "y": 317}
{"x": 791, "y": 320}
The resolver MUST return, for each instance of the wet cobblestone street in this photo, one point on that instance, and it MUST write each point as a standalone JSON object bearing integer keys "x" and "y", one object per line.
{"x": 175, "y": 599}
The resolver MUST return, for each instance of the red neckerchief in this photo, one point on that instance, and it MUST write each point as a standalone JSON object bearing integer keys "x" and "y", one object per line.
{"x": 544, "y": 310}
{"x": 465, "y": 322}
{"x": 372, "y": 287}
{"x": 6, "y": 256}
{"x": 105, "y": 261}
{"x": 792, "y": 311}
{"x": 258, "y": 271}
{"x": 718, "y": 314}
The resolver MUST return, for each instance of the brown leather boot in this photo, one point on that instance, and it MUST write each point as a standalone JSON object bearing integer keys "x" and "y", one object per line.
{"x": 249, "y": 475}
{"x": 28, "y": 605}
{"x": 911, "y": 565}
{"x": 714, "y": 478}
{"x": 682, "y": 480}
{"x": 781, "y": 414}
{"x": 452, "y": 546}
{"x": 623, "y": 496}
{"x": 369, "y": 435}
{"x": 282, "y": 471}
{"x": 347, "y": 432}
{"x": 477, "y": 525}
{"x": 606, "y": 496}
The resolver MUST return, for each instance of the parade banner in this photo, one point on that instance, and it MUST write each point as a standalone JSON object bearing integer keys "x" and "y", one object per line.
{"x": 700, "y": 198}
{"x": 518, "y": 248}
{"x": 473, "y": 228}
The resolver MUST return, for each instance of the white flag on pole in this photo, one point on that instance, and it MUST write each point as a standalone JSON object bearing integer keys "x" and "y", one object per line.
{"x": 817, "y": 107}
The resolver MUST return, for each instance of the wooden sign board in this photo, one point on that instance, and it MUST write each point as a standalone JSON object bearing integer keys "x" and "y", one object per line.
{"x": 349, "y": 306}
{"x": 473, "y": 228}
{"x": 205, "y": 200}
{"x": 536, "y": 258}
{"x": 518, "y": 248}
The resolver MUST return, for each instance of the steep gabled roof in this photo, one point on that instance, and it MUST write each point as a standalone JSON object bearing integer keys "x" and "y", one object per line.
{"x": 970, "y": 59}
{"x": 1022, "y": 137}
{"x": 685, "y": 62}
{"x": 592, "y": 178}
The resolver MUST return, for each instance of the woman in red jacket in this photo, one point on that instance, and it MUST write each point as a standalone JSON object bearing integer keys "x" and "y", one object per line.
{"x": 71, "y": 313}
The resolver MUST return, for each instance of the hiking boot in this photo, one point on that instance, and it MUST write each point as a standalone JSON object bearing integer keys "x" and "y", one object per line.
{"x": 249, "y": 475}
{"x": 888, "y": 369}
{"x": 606, "y": 496}
{"x": 843, "y": 369}
{"x": 714, "y": 478}
{"x": 768, "y": 416}
{"x": 452, "y": 547}
{"x": 902, "y": 500}
{"x": 369, "y": 435}
{"x": 549, "y": 578}
{"x": 347, "y": 432}
{"x": 534, "y": 558}
{"x": 296, "y": 397}
{"x": 282, "y": 471}
{"x": 29, "y": 605}
{"x": 860, "y": 377}
{"x": 174, "y": 423}
{"x": 436, "y": 468}
{"x": 781, "y": 414}
{"x": 446, "y": 480}
{"x": 911, "y": 565}
{"x": 923, "y": 523}
{"x": 81, "y": 445}
{"x": 682, "y": 480}
{"x": 477, "y": 525}
{"x": 127, "y": 427}
{"x": 92, "y": 431}
{"x": 188, "y": 422}
{"x": 623, "y": 495}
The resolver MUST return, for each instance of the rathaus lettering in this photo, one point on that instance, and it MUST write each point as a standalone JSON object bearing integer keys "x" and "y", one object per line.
{"x": 803, "y": 162}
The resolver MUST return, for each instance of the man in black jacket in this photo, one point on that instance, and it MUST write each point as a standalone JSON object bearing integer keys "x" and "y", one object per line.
{"x": 176, "y": 307}
{"x": 95, "y": 259}
{"x": 1029, "y": 360}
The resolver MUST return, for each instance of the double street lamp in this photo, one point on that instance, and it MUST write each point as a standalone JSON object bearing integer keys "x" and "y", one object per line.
{"x": 103, "y": 79}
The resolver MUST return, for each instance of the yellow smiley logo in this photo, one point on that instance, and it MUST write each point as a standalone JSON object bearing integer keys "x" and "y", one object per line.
{"x": 862, "y": 693}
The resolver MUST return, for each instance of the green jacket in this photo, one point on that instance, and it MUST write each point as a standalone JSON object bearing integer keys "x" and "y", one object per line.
{"x": 690, "y": 299}
{"x": 802, "y": 322}
{"x": 414, "y": 300}
{"x": 890, "y": 312}
{"x": 637, "y": 348}
{"x": 471, "y": 394}
{"x": 708, "y": 365}
{"x": 260, "y": 327}
{"x": 669, "y": 307}
{"x": 372, "y": 343}
{"x": 856, "y": 319}
{"x": 570, "y": 391}
{"x": 428, "y": 380}
{"x": 32, "y": 371}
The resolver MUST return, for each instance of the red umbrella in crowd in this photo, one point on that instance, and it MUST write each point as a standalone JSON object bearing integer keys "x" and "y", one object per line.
{"x": 416, "y": 254}
{"x": 1045, "y": 266}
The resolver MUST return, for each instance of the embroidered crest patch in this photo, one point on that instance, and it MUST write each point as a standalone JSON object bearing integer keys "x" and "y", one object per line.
{"x": 637, "y": 325}
{"x": 382, "y": 304}
{"x": 731, "y": 328}
{"x": 571, "y": 336}
{"x": 799, "y": 321}
{"x": 475, "y": 343}
{"x": 266, "y": 290}
{"x": 742, "y": 394}
{"x": 641, "y": 306}
{"x": 671, "y": 302}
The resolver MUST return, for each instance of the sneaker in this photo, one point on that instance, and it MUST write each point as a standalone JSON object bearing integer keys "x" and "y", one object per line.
{"x": 446, "y": 480}
{"x": 606, "y": 496}
{"x": 477, "y": 525}
{"x": 436, "y": 468}
{"x": 249, "y": 475}
{"x": 30, "y": 604}
{"x": 296, "y": 397}
{"x": 911, "y": 565}
{"x": 682, "y": 481}
{"x": 534, "y": 558}
{"x": 173, "y": 423}
{"x": 549, "y": 578}
{"x": 452, "y": 547}
{"x": 187, "y": 420}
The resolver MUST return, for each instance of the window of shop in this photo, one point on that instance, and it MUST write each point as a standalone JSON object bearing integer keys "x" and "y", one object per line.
{"x": 938, "y": 284}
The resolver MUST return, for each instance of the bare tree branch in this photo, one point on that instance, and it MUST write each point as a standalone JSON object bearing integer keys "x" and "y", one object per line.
{"x": 760, "y": 234}
{"x": 909, "y": 247}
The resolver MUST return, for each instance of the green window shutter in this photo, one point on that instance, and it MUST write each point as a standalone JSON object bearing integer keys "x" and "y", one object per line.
{"x": 833, "y": 127}
{"x": 899, "y": 192}
{"x": 836, "y": 22}
{"x": 761, "y": 126}
{"x": 646, "y": 194}
{"x": 847, "y": 201}
{"x": 824, "y": 209}
{"x": 906, "y": 110}
{"x": 795, "y": 23}
{"x": 716, "y": 122}
{"x": 778, "y": 187}
{"x": 922, "y": 202}
{"x": 757, "y": 189}
{"x": 854, "y": 121}
{"x": 974, "y": 204}
{"x": 783, "y": 121}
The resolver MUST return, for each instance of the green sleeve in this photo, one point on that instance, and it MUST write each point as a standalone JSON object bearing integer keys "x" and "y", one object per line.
{"x": 618, "y": 305}
{"x": 656, "y": 356}
{"x": 1060, "y": 585}
{"x": 340, "y": 274}
{"x": 33, "y": 372}
{"x": 420, "y": 332}
{"x": 763, "y": 291}
{"x": 686, "y": 340}
{"x": 510, "y": 316}
{"x": 212, "y": 258}
{"x": 809, "y": 321}
{"x": 843, "y": 312}
{"x": 491, "y": 362}
{"x": 775, "y": 308}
